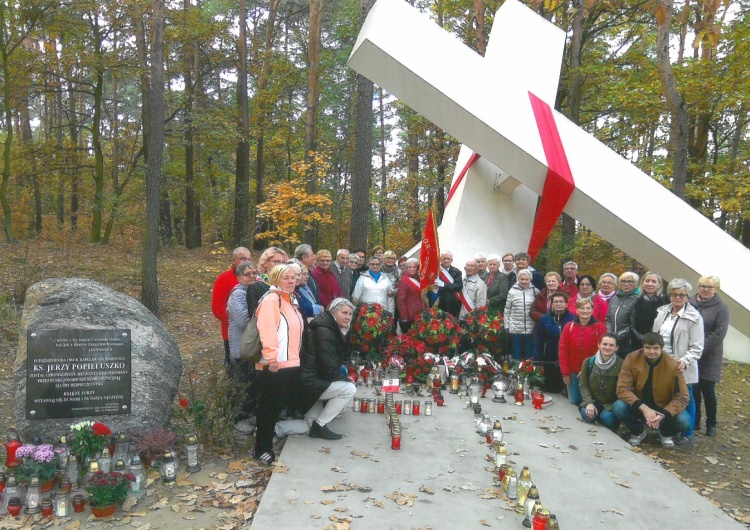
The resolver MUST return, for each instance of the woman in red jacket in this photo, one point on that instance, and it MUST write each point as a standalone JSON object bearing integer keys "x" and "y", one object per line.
{"x": 409, "y": 295}
{"x": 579, "y": 340}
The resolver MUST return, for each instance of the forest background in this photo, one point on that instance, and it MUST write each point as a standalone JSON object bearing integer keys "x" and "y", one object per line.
{"x": 186, "y": 123}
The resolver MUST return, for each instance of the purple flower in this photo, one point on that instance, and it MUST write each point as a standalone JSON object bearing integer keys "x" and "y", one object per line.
{"x": 25, "y": 450}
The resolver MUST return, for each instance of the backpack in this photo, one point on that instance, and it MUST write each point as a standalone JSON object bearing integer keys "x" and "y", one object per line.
{"x": 250, "y": 345}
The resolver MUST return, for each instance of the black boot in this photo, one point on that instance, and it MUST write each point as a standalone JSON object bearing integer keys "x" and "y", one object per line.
{"x": 316, "y": 431}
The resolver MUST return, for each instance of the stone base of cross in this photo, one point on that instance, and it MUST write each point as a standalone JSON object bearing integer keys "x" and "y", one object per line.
{"x": 500, "y": 107}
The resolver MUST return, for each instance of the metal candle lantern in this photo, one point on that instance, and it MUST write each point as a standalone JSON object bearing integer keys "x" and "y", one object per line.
{"x": 539, "y": 521}
{"x": 61, "y": 502}
{"x": 531, "y": 498}
{"x": 33, "y": 497}
{"x": 499, "y": 388}
{"x": 552, "y": 523}
{"x": 168, "y": 469}
{"x": 191, "y": 448}
{"x": 455, "y": 384}
{"x": 120, "y": 466}
{"x": 497, "y": 432}
{"x": 121, "y": 448}
{"x": 93, "y": 468}
{"x": 11, "y": 489}
{"x": 524, "y": 482}
{"x": 501, "y": 455}
{"x": 105, "y": 461}
{"x": 64, "y": 444}
{"x": 72, "y": 472}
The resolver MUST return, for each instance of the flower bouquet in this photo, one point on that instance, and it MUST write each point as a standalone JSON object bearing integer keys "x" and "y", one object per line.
{"x": 423, "y": 366}
{"x": 88, "y": 439}
{"x": 484, "y": 329}
{"x": 108, "y": 489}
{"x": 41, "y": 461}
{"x": 371, "y": 330}
{"x": 407, "y": 346}
{"x": 533, "y": 373}
{"x": 438, "y": 330}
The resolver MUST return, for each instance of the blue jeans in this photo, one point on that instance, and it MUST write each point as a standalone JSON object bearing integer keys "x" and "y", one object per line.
{"x": 574, "y": 394}
{"x": 690, "y": 409}
{"x": 521, "y": 345}
{"x": 607, "y": 417}
{"x": 635, "y": 422}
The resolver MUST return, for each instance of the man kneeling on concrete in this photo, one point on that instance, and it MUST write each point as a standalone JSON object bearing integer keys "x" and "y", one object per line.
{"x": 323, "y": 358}
{"x": 652, "y": 393}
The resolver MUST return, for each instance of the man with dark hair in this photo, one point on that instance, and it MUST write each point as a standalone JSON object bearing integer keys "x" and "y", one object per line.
{"x": 220, "y": 295}
{"x": 652, "y": 392}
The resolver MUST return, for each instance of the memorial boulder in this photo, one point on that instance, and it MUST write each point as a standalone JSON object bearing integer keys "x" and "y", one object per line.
{"x": 87, "y": 352}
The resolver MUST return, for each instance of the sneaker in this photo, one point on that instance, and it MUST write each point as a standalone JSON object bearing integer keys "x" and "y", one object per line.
{"x": 316, "y": 431}
{"x": 636, "y": 439}
{"x": 667, "y": 441}
{"x": 267, "y": 457}
{"x": 683, "y": 440}
{"x": 711, "y": 431}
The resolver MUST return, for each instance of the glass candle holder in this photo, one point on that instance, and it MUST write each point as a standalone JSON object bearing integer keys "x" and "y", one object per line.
{"x": 14, "y": 506}
{"x": 399, "y": 406}
{"x": 357, "y": 404}
{"x": 33, "y": 497}
{"x": 381, "y": 406}
{"x": 415, "y": 408}
{"x": 371, "y": 406}
{"x": 428, "y": 408}
{"x": 191, "y": 449}
{"x": 61, "y": 502}
{"x": 363, "y": 405}
{"x": 12, "y": 443}
{"x": 168, "y": 469}
{"x": 47, "y": 508}
{"x": 407, "y": 407}
{"x": 78, "y": 503}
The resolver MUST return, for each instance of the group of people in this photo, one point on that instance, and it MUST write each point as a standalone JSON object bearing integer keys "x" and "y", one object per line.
{"x": 623, "y": 349}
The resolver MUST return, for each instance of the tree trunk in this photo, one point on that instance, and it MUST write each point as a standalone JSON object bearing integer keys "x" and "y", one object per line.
{"x": 362, "y": 171}
{"x": 153, "y": 107}
{"x": 481, "y": 27}
{"x": 242, "y": 156}
{"x": 311, "y": 113}
{"x": 8, "y": 142}
{"x": 413, "y": 180}
{"x": 96, "y": 141}
{"x": 192, "y": 209}
{"x": 675, "y": 102}
{"x": 27, "y": 140}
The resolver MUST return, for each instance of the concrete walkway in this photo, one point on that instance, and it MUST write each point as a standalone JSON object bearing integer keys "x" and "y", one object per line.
{"x": 586, "y": 475}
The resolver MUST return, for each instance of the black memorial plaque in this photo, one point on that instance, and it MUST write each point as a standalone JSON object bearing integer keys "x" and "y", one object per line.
{"x": 77, "y": 372}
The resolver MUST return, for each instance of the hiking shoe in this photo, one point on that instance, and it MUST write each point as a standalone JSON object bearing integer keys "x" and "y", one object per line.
{"x": 316, "y": 431}
{"x": 683, "y": 440}
{"x": 711, "y": 431}
{"x": 636, "y": 439}
{"x": 667, "y": 441}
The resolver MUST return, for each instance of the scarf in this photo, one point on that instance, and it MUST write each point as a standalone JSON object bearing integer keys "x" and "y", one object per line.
{"x": 606, "y": 297}
{"x": 375, "y": 276}
{"x": 604, "y": 366}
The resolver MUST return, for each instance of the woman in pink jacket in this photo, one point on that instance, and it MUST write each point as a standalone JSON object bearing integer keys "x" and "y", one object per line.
{"x": 280, "y": 326}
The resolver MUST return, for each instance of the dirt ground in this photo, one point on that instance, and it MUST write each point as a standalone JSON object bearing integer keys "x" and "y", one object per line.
{"x": 718, "y": 468}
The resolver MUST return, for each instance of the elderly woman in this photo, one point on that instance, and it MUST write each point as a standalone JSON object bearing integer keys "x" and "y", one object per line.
{"x": 681, "y": 327}
{"x": 390, "y": 267}
{"x": 409, "y": 302}
{"x": 607, "y": 286}
{"x": 587, "y": 291}
{"x": 237, "y": 307}
{"x": 543, "y": 301}
{"x": 578, "y": 341}
{"x": 305, "y": 297}
{"x": 597, "y": 383}
{"x": 374, "y": 287}
{"x": 517, "y": 318}
{"x": 280, "y": 327}
{"x": 508, "y": 263}
{"x": 715, "y": 314}
{"x": 547, "y": 340}
{"x": 618, "y": 315}
{"x": 328, "y": 285}
{"x": 497, "y": 284}
{"x": 326, "y": 351}
{"x": 353, "y": 264}
{"x": 650, "y": 298}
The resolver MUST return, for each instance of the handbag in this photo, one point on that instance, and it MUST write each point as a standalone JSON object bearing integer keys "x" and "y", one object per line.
{"x": 250, "y": 344}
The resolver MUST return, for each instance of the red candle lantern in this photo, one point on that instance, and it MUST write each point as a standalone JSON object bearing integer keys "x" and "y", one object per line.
{"x": 351, "y": 370}
{"x": 410, "y": 374}
{"x": 415, "y": 408}
{"x": 78, "y": 503}
{"x": 364, "y": 404}
{"x": 47, "y": 508}
{"x": 381, "y": 406}
{"x": 399, "y": 406}
{"x": 396, "y": 439}
{"x": 14, "y": 507}
{"x": 12, "y": 443}
{"x": 537, "y": 399}
{"x": 539, "y": 521}
{"x": 519, "y": 394}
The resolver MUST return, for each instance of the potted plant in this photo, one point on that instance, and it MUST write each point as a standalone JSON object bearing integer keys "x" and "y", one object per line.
{"x": 38, "y": 460}
{"x": 107, "y": 490}
{"x": 153, "y": 445}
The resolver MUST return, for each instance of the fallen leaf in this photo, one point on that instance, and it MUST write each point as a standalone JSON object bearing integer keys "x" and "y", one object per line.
{"x": 325, "y": 450}
{"x": 159, "y": 505}
{"x": 75, "y": 525}
{"x": 573, "y": 447}
{"x": 341, "y": 509}
{"x": 612, "y": 510}
{"x": 338, "y": 469}
{"x": 362, "y": 454}
{"x": 235, "y": 467}
{"x": 129, "y": 503}
{"x": 624, "y": 484}
{"x": 327, "y": 502}
{"x": 402, "y": 499}
{"x": 378, "y": 504}
{"x": 315, "y": 516}
{"x": 712, "y": 460}
{"x": 484, "y": 522}
{"x": 613, "y": 475}
{"x": 425, "y": 489}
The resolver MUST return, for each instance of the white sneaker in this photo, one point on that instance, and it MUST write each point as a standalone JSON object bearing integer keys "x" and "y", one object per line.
{"x": 666, "y": 441}
{"x": 636, "y": 439}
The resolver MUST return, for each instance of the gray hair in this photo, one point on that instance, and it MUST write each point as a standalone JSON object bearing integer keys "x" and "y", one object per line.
{"x": 412, "y": 260}
{"x": 238, "y": 250}
{"x": 522, "y": 255}
{"x": 570, "y": 263}
{"x": 446, "y": 253}
{"x": 302, "y": 250}
{"x": 480, "y": 255}
{"x": 679, "y": 283}
{"x": 611, "y": 275}
{"x": 633, "y": 276}
{"x": 338, "y": 303}
{"x": 524, "y": 272}
{"x": 341, "y": 251}
{"x": 242, "y": 267}
{"x": 494, "y": 257}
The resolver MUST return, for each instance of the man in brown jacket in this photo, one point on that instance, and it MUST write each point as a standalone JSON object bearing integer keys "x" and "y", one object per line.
{"x": 652, "y": 393}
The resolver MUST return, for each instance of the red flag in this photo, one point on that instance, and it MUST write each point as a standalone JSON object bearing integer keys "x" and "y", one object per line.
{"x": 429, "y": 257}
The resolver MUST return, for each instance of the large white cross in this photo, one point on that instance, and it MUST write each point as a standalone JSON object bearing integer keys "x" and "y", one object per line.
{"x": 485, "y": 104}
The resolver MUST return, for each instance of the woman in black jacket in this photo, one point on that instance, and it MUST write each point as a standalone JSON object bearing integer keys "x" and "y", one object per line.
{"x": 643, "y": 314}
{"x": 323, "y": 357}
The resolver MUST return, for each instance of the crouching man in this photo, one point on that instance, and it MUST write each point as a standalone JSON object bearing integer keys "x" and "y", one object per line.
{"x": 652, "y": 393}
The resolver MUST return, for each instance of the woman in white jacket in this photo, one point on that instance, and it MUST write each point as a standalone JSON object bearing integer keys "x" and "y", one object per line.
{"x": 681, "y": 326}
{"x": 374, "y": 287}
{"x": 517, "y": 317}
